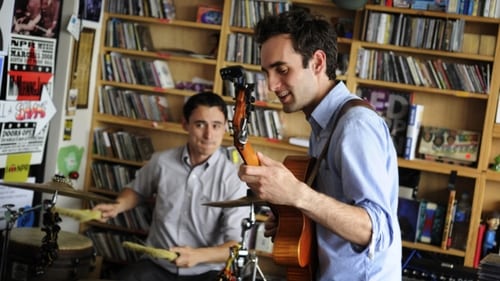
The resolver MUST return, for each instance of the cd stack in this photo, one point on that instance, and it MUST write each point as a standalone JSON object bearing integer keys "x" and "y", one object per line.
{"x": 489, "y": 268}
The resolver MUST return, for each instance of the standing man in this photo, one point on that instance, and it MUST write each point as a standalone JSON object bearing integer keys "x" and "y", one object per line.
{"x": 354, "y": 199}
{"x": 182, "y": 179}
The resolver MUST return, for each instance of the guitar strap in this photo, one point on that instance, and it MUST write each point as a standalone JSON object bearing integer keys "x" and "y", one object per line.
{"x": 347, "y": 105}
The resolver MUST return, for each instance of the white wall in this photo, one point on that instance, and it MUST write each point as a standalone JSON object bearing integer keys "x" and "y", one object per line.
{"x": 82, "y": 117}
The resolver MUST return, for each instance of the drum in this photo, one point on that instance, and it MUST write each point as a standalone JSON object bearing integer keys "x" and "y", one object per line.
{"x": 74, "y": 261}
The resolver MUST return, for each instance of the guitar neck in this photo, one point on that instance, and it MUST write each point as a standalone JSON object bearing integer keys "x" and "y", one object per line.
{"x": 248, "y": 154}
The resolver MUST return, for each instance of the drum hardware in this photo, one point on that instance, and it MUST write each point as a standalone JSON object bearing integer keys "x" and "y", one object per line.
{"x": 49, "y": 246}
{"x": 242, "y": 261}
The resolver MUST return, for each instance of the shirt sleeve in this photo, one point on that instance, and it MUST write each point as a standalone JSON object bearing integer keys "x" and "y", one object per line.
{"x": 143, "y": 182}
{"x": 368, "y": 168}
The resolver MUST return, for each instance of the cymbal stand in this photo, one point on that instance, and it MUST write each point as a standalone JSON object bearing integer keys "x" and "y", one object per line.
{"x": 49, "y": 247}
{"x": 241, "y": 257}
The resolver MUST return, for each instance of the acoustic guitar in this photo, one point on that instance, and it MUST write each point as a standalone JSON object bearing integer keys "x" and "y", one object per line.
{"x": 294, "y": 242}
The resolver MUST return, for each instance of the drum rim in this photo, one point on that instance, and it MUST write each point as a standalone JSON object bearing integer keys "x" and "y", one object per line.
{"x": 66, "y": 240}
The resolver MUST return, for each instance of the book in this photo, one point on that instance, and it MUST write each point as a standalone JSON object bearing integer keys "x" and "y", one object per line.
{"x": 394, "y": 107}
{"x": 461, "y": 145}
{"x": 164, "y": 74}
{"x": 413, "y": 130}
{"x": 450, "y": 211}
{"x": 168, "y": 9}
{"x": 479, "y": 245}
{"x": 144, "y": 37}
{"x": 408, "y": 213}
{"x": 422, "y": 211}
{"x": 430, "y": 211}
{"x": 209, "y": 14}
{"x": 144, "y": 146}
{"x": 437, "y": 225}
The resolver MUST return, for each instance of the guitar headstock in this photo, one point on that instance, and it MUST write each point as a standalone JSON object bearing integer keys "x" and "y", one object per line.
{"x": 243, "y": 108}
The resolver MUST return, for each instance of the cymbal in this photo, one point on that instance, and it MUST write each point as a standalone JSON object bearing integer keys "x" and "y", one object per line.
{"x": 240, "y": 202}
{"x": 61, "y": 188}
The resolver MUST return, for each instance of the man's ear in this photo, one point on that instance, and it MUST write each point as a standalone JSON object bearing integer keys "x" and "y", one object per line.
{"x": 318, "y": 61}
{"x": 184, "y": 124}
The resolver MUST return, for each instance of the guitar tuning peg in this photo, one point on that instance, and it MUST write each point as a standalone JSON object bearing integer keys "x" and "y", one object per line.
{"x": 252, "y": 107}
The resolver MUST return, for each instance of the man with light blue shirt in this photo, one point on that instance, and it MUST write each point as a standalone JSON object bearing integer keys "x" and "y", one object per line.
{"x": 353, "y": 201}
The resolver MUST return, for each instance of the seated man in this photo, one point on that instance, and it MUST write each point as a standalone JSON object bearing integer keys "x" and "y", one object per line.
{"x": 182, "y": 179}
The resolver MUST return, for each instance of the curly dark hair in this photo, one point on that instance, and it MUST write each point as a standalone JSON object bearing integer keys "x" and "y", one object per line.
{"x": 308, "y": 32}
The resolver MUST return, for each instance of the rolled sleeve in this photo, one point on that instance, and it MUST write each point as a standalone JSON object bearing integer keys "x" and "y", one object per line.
{"x": 382, "y": 234}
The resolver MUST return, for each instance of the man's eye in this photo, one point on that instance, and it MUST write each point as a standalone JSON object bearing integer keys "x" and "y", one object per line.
{"x": 200, "y": 125}
{"x": 282, "y": 70}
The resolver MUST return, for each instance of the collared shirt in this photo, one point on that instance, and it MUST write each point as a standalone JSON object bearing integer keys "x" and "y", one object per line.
{"x": 360, "y": 169}
{"x": 179, "y": 217}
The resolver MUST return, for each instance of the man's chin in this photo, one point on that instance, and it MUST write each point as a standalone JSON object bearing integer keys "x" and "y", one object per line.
{"x": 208, "y": 149}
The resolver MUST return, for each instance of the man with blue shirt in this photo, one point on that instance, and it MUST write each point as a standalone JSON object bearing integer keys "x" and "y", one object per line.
{"x": 353, "y": 201}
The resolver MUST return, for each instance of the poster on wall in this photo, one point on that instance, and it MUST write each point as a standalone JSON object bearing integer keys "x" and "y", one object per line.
{"x": 91, "y": 10}
{"x": 24, "y": 127}
{"x": 27, "y": 106}
{"x": 30, "y": 67}
{"x": 37, "y": 18}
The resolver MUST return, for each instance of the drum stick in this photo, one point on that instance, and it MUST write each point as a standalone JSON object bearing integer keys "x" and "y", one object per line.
{"x": 81, "y": 215}
{"x": 155, "y": 252}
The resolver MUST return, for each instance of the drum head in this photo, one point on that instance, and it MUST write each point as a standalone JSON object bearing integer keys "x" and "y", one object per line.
{"x": 75, "y": 256}
{"x": 65, "y": 240}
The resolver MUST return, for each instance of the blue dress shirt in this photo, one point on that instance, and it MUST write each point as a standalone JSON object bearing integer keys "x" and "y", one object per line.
{"x": 360, "y": 169}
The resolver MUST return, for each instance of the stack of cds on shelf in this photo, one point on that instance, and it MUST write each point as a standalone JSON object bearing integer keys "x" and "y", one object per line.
{"x": 489, "y": 268}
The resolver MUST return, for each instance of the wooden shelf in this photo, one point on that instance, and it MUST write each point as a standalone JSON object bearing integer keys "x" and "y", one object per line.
{"x": 432, "y": 248}
{"x": 174, "y": 23}
{"x": 482, "y": 105}
{"x": 420, "y": 89}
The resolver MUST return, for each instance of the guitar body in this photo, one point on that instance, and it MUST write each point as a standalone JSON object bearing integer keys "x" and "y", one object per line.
{"x": 295, "y": 242}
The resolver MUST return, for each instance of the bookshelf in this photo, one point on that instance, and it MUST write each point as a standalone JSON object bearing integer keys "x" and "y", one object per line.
{"x": 207, "y": 52}
{"x": 130, "y": 103}
{"x": 446, "y": 105}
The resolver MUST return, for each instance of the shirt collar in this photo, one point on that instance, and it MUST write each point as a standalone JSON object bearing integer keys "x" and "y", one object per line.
{"x": 210, "y": 161}
{"x": 329, "y": 106}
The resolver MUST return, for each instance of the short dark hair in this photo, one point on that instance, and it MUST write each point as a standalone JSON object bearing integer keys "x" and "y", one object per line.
{"x": 308, "y": 32}
{"x": 209, "y": 99}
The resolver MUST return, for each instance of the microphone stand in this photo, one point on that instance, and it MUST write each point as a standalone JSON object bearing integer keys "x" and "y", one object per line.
{"x": 245, "y": 257}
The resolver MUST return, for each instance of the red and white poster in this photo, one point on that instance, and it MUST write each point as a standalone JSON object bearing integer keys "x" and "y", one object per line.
{"x": 27, "y": 109}
{"x": 30, "y": 67}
